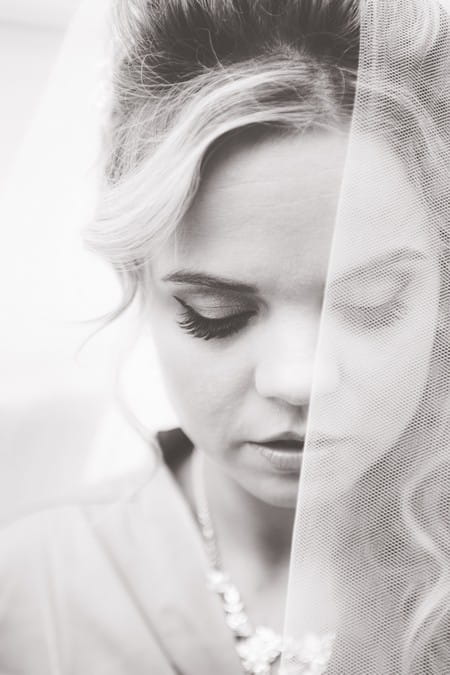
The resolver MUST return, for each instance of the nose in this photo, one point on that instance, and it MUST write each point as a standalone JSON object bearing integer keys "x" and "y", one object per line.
{"x": 295, "y": 365}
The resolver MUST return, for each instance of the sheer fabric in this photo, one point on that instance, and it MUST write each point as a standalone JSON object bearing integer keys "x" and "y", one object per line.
{"x": 370, "y": 558}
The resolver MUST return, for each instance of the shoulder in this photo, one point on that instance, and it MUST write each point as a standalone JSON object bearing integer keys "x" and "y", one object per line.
{"x": 62, "y": 526}
{"x": 66, "y": 577}
{"x": 142, "y": 504}
{"x": 84, "y": 509}
{"x": 111, "y": 583}
{"x": 166, "y": 452}
{"x": 145, "y": 493}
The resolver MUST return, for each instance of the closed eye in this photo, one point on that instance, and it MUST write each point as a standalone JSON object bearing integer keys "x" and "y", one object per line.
{"x": 208, "y": 328}
{"x": 374, "y": 317}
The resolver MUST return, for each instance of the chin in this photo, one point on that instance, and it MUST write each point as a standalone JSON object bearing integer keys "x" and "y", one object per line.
{"x": 277, "y": 491}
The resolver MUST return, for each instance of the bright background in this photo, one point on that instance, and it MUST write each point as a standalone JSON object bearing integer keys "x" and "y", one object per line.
{"x": 59, "y": 425}
{"x": 31, "y": 32}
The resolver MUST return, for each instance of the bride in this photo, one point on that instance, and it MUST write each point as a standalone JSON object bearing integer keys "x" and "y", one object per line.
{"x": 275, "y": 198}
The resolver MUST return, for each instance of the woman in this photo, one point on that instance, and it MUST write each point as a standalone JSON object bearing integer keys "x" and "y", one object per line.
{"x": 288, "y": 250}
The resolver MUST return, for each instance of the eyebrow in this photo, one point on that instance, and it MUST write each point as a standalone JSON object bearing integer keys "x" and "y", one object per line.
{"x": 209, "y": 281}
{"x": 379, "y": 263}
{"x": 223, "y": 284}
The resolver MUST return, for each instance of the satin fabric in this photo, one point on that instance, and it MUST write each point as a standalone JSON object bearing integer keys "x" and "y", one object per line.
{"x": 114, "y": 584}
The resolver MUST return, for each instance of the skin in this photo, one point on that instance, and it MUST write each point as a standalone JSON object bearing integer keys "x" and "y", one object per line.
{"x": 264, "y": 216}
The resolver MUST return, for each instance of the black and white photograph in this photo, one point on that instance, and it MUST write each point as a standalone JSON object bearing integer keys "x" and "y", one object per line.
{"x": 225, "y": 337}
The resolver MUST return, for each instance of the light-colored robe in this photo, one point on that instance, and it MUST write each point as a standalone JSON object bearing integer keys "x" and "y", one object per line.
{"x": 112, "y": 586}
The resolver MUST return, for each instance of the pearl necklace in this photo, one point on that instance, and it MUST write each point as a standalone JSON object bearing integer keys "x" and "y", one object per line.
{"x": 258, "y": 648}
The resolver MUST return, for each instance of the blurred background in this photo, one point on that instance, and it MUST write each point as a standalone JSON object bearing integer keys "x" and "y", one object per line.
{"x": 31, "y": 34}
{"x": 60, "y": 426}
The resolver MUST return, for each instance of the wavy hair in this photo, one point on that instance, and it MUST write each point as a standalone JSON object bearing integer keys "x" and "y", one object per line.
{"x": 187, "y": 74}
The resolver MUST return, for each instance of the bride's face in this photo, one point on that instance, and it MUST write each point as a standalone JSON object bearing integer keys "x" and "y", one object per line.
{"x": 236, "y": 304}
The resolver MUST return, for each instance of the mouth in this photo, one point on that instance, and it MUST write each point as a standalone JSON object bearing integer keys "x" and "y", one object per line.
{"x": 285, "y": 445}
{"x": 283, "y": 452}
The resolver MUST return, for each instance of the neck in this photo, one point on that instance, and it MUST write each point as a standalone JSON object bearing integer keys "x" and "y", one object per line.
{"x": 253, "y": 539}
{"x": 247, "y": 527}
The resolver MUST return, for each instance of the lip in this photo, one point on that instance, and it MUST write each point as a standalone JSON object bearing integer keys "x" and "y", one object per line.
{"x": 283, "y": 452}
{"x": 318, "y": 440}
{"x": 284, "y": 437}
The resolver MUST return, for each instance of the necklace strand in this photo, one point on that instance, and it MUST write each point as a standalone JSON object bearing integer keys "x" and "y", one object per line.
{"x": 259, "y": 648}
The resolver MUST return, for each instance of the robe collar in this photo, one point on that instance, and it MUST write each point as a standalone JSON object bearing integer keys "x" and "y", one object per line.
{"x": 164, "y": 562}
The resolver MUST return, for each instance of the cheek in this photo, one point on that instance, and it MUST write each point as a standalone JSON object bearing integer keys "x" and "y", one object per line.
{"x": 390, "y": 372}
{"x": 207, "y": 381}
{"x": 380, "y": 395}
{"x": 395, "y": 394}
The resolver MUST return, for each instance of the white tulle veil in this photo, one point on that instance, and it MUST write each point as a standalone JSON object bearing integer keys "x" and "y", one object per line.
{"x": 371, "y": 553}
{"x": 370, "y": 558}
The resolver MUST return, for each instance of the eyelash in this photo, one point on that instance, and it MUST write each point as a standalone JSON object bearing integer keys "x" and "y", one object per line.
{"x": 218, "y": 329}
{"x": 381, "y": 316}
{"x": 209, "y": 329}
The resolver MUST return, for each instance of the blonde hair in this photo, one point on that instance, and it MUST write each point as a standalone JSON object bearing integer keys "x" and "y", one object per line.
{"x": 178, "y": 90}
{"x": 190, "y": 72}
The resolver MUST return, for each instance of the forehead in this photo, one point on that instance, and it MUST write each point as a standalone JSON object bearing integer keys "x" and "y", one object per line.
{"x": 265, "y": 212}
{"x": 379, "y": 208}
